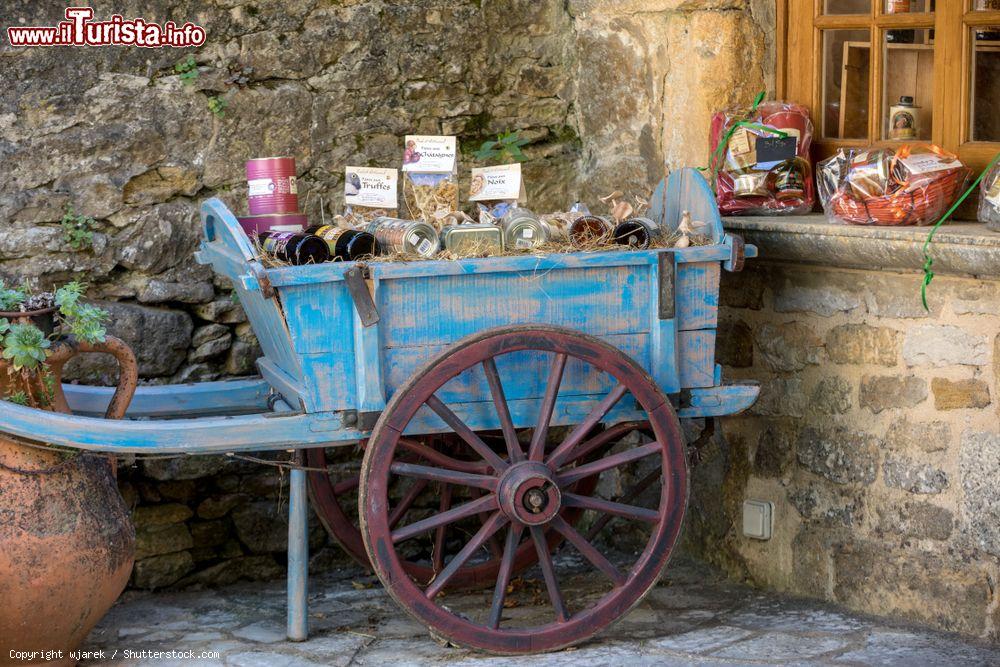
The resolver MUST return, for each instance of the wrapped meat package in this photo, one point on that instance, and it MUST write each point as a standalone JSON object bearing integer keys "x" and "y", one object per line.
{"x": 761, "y": 160}
{"x": 909, "y": 185}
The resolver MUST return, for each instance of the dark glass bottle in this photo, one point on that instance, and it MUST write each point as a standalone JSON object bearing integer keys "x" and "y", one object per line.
{"x": 294, "y": 247}
{"x": 347, "y": 245}
{"x": 635, "y": 232}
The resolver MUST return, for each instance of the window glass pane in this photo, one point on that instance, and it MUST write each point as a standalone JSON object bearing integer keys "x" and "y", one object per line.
{"x": 985, "y": 99}
{"x": 986, "y": 5}
{"x": 908, "y": 85}
{"x": 846, "y": 58}
{"x": 847, "y": 7}
{"x": 908, "y": 6}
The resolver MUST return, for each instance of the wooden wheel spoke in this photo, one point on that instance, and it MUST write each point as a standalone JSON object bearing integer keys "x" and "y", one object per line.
{"x": 611, "y": 507}
{"x": 565, "y": 448}
{"x": 600, "y": 440}
{"x": 608, "y": 462}
{"x": 495, "y": 523}
{"x": 549, "y": 573}
{"x": 464, "y": 510}
{"x": 440, "y": 459}
{"x": 437, "y": 556}
{"x": 447, "y": 476}
{"x": 346, "y": 486}
{"x": 466, "y": 433}
{"x": 503, "y": 576}
{"x": 406, "y": 502}
{"x": 536, "y": 449}
{"x": 588, "y": 551}
{"x": 503, "y": 411}
{"x": 634, "y": 491}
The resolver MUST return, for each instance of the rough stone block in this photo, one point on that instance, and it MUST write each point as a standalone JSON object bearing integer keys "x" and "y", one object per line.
{"x": 216, "y": 507}
{"x": 208, "y": 333}
{"x": 209, "y": 533}
{"x": 734, "y": 344}
{"x": 147, "y": 516}
{"x": 827, "y": 504}
{"x": 210, "y": 349}
{"x": 863, "y": 344}
{"x": 776, "y": 448}
{"x": 979, "y": 470}
{"x": 788, "y": 347}
{"x": 223, "y": 311}
{"x": 261, "y": 526}
{"x": 818, "y": 292}
{"x": 886, "y": 392}
{"x": 780, "y": 397}
{"x": 917, "y": 586}
{"x": 161, "y": 571}
{"x": 832, "y": 396}
{"x": 159, "y": 540}
{"x": 906, "y": 435}
{"x": 839, "y": 454}
{"x": 811, "y": 562}
{"x": 944, "y": 345}
{"x": 914, "y": 477}
{"x": 960, "y": 394}
{"x": 917, "y": 520}
{"x": 185, "y": 467}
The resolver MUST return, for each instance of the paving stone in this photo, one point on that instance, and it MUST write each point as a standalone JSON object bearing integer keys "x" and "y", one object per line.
{"x": 268, "y": 659}
{"x": 703, "y": 640}
{"x": 264, "y": 632}
{"x": 781, "y": 646}
{"x": 889, "y": 648}
{"x": 943, "y": 345}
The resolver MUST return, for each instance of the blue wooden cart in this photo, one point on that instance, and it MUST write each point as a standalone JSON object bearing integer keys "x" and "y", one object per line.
{"x": 508, "y": 408}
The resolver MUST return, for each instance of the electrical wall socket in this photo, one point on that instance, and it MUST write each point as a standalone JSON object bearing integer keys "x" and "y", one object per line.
{"x": 758, "y": 516}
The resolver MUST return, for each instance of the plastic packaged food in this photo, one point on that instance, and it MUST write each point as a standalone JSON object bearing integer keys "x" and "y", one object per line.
{"x": 989, "y": 198}
{"x": 370, "y": 193}
{"x": 911, "y": 185}
{"x": 761, "y": 158}
{"x": 430, "y": 178}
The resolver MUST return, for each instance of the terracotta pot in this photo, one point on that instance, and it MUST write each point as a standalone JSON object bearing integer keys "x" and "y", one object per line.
{"x": 66, "y": 541}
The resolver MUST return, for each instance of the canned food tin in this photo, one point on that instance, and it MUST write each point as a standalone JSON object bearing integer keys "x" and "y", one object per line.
{"x": 347, "y": 244}
{"x": 522, "y": 229}
{"x": 273, "y": 222}
{"x": 590, "y": 229}
{"x": 788, "y": 179}
{"x": 407, "y": 237}
{"x": 750, "y": 185}
{"x": 271, "y": 185}
{"x": 473, "y": 239}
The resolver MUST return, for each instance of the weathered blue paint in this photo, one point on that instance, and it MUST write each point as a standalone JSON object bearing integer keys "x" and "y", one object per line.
{"x": 298, "y": 557}
{"x": 175, "y": 400}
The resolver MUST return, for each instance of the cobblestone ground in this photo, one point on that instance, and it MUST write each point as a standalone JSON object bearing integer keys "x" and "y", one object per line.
{"x": 692, "y": 618}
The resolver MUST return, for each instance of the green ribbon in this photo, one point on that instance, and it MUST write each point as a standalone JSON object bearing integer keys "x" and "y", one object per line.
{"x": 928, "y": 260}
{"x": 714, "y": 160}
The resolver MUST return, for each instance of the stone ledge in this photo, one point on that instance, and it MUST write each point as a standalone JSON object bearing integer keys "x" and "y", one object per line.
{"x": 965, "y": 249}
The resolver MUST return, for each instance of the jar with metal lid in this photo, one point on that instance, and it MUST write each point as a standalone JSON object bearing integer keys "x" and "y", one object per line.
{"x": 588, "y": 230}
{"x": 638, "y": 232}
{"x": 405, "y": 237}
{"x": 523, "y": 229}
{"x": 347, "y": 244}
{"x": 472, "y": 239}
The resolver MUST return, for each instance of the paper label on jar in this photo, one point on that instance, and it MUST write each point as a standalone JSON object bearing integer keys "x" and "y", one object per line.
{"x": 739, "y": 143}
{"x": 372, "y": 187}
{"x": 424, "y": 247}
{"x": 528, "y": 233}
{"x": 925, "y": 163}
{"x": 502, "y": 182}
{"x": 415, "y": 238}
{"x": 523, "y": 243}
{"x": 429, "y": 153}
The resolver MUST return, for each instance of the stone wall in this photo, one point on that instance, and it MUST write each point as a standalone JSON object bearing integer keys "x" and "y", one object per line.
{"x": 876, "y": 437}
{"x": 608, "y": 93}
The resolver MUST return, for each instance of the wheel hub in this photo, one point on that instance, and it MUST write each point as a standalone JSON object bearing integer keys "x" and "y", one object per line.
{"x": 528, "y": 493}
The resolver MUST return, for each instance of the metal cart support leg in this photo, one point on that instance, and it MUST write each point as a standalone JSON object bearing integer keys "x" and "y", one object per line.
{"x": 298, "y": 555}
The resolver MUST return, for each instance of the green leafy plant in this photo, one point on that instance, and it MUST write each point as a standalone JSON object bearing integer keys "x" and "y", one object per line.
{"x": 78, "y": 230}
{"x": 11, "y": 298}
{"x": 217, "y": 105}
{"x": 24, "y": 345}
{"x": 506, "y": 148}
{"x": 83, "y": 320}
{"x": 188, "y": 70}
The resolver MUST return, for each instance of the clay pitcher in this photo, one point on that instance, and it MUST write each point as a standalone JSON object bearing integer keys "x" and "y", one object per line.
{"x": 66, "y": 541}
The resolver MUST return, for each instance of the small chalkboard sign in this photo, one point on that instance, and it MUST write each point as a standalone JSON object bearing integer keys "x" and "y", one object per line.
{"x": 774, "y": 150}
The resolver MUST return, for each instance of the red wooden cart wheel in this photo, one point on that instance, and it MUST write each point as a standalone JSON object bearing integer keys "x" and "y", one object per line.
{"x": 334, "y": 498}
{"x": 524, "y": 494}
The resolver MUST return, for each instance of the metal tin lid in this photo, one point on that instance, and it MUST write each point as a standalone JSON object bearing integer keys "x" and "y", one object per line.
{"x": 906, "y": 101}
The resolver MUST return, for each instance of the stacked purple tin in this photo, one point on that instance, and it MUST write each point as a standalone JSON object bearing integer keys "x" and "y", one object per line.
{"x": 273, "y": 197}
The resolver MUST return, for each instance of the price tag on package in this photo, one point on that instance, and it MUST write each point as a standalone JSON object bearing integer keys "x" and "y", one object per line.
{"x": 371, "y": 187}
{"x": 498, "y": 183}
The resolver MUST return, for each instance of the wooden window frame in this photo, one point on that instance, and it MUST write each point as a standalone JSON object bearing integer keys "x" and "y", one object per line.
{"x": 799, "y": 45}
